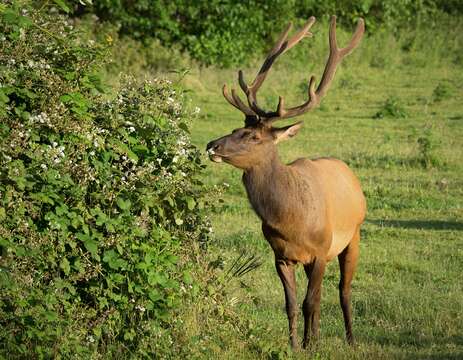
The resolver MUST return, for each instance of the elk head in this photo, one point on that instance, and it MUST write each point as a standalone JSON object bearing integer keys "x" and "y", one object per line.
{"x": 250, "y": 145}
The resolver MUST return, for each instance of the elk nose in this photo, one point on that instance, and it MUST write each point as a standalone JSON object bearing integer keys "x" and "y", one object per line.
{"x": 212, "y": 147}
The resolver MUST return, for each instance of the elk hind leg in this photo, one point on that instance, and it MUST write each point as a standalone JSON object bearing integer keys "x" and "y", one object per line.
{"x": 348, "y": 263}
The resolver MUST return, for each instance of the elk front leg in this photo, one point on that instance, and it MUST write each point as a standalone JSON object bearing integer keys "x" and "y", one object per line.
{"x": 311, "y": 305}
{"x": 347, "y": 263}
{"x": 287, "y": 277}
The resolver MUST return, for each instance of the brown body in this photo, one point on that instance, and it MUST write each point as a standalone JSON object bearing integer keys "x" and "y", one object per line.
{"x": 311, "y": 210}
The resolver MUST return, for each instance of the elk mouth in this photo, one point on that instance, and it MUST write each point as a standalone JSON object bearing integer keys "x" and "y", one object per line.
{"x": 215, "y": 158}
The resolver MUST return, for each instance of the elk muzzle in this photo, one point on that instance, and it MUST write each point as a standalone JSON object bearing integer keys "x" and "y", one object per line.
{"x": 213, "y": 150}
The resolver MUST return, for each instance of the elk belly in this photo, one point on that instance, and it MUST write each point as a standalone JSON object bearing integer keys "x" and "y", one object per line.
{"x": 339, "y": 242}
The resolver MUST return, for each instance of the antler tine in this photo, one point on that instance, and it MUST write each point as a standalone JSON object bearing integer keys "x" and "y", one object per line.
{"x": 236, "y": 101}
{"x": 334, "y": 59}
{"x": 281, "y": 46}
{"x": 337, "y": 54}
{"x": 271, "y": 56}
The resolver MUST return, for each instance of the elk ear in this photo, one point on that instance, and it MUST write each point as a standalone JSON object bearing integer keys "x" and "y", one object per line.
{"x": 280, "y": 134}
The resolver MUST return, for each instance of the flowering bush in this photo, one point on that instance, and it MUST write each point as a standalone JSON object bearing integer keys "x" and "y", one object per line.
{"x": 98, "y": 197}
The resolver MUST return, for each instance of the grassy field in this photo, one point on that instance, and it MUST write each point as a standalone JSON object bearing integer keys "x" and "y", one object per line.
{"x": 396, "y": 117}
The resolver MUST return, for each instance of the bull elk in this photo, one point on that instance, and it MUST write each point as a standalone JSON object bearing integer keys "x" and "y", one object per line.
{"x": 311, "y": 209}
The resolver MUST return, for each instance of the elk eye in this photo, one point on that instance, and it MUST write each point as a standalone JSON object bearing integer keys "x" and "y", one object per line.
{"x": 243, "y": 135}
{"x": 256, "y": 137}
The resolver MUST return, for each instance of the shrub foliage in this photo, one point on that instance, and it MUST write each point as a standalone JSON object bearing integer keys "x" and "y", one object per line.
{"x": 98, "y": 196}
{"x": 229, "y": 33}
{"x": 223, "y": 32}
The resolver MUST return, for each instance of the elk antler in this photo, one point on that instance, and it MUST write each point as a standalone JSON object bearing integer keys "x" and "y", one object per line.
{"x": 315, "y": 96}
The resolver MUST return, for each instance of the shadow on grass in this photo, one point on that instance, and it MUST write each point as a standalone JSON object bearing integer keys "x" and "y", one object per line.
{"x": 419, "y": 224}
{"x": 439, "y": 356}
{"x": 430, "y": 347}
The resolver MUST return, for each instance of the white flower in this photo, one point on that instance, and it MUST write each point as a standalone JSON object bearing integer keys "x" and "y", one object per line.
{"x": 41, "y": 118}
{"x": 197, "y": 110}
{"x": 90, "y": 339}
{"x": 43, "y": 166}
{"x": 140, "y": 308}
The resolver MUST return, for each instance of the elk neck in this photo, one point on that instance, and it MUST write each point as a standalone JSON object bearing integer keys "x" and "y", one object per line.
{"x": 270, "y": 186}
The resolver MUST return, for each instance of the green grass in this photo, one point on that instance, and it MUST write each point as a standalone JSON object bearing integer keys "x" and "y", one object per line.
{"x": 408, "y": 291}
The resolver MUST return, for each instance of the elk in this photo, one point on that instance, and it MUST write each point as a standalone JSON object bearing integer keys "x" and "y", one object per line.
{"x": 311, "y": 209}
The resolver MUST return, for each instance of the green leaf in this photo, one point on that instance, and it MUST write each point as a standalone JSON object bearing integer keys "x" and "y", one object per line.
{"x": 65, "y": 266}
{"x": 65, "y": 98}
{"x": 154, "y": 295}
{"x": 4, "y": 97}
{"x": 113, "y": 260}
{"x": 90, "y": 244}
{"x": 187, "y": 278}
{"x": 129, "y": 335}
{"x": 62, "y": 4}
{"x": 119, "y": 248}
{"x": 184, "y": 127}
{"x": 170, "y": 201}
{"x": 92, "y": 247}
{"x": 123, "y": 204}
{"x": 124, "y": 149}
{"x": 191, "y": 203}
{"x": 51, "y": 315}
{"x": 10, "y": 17}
